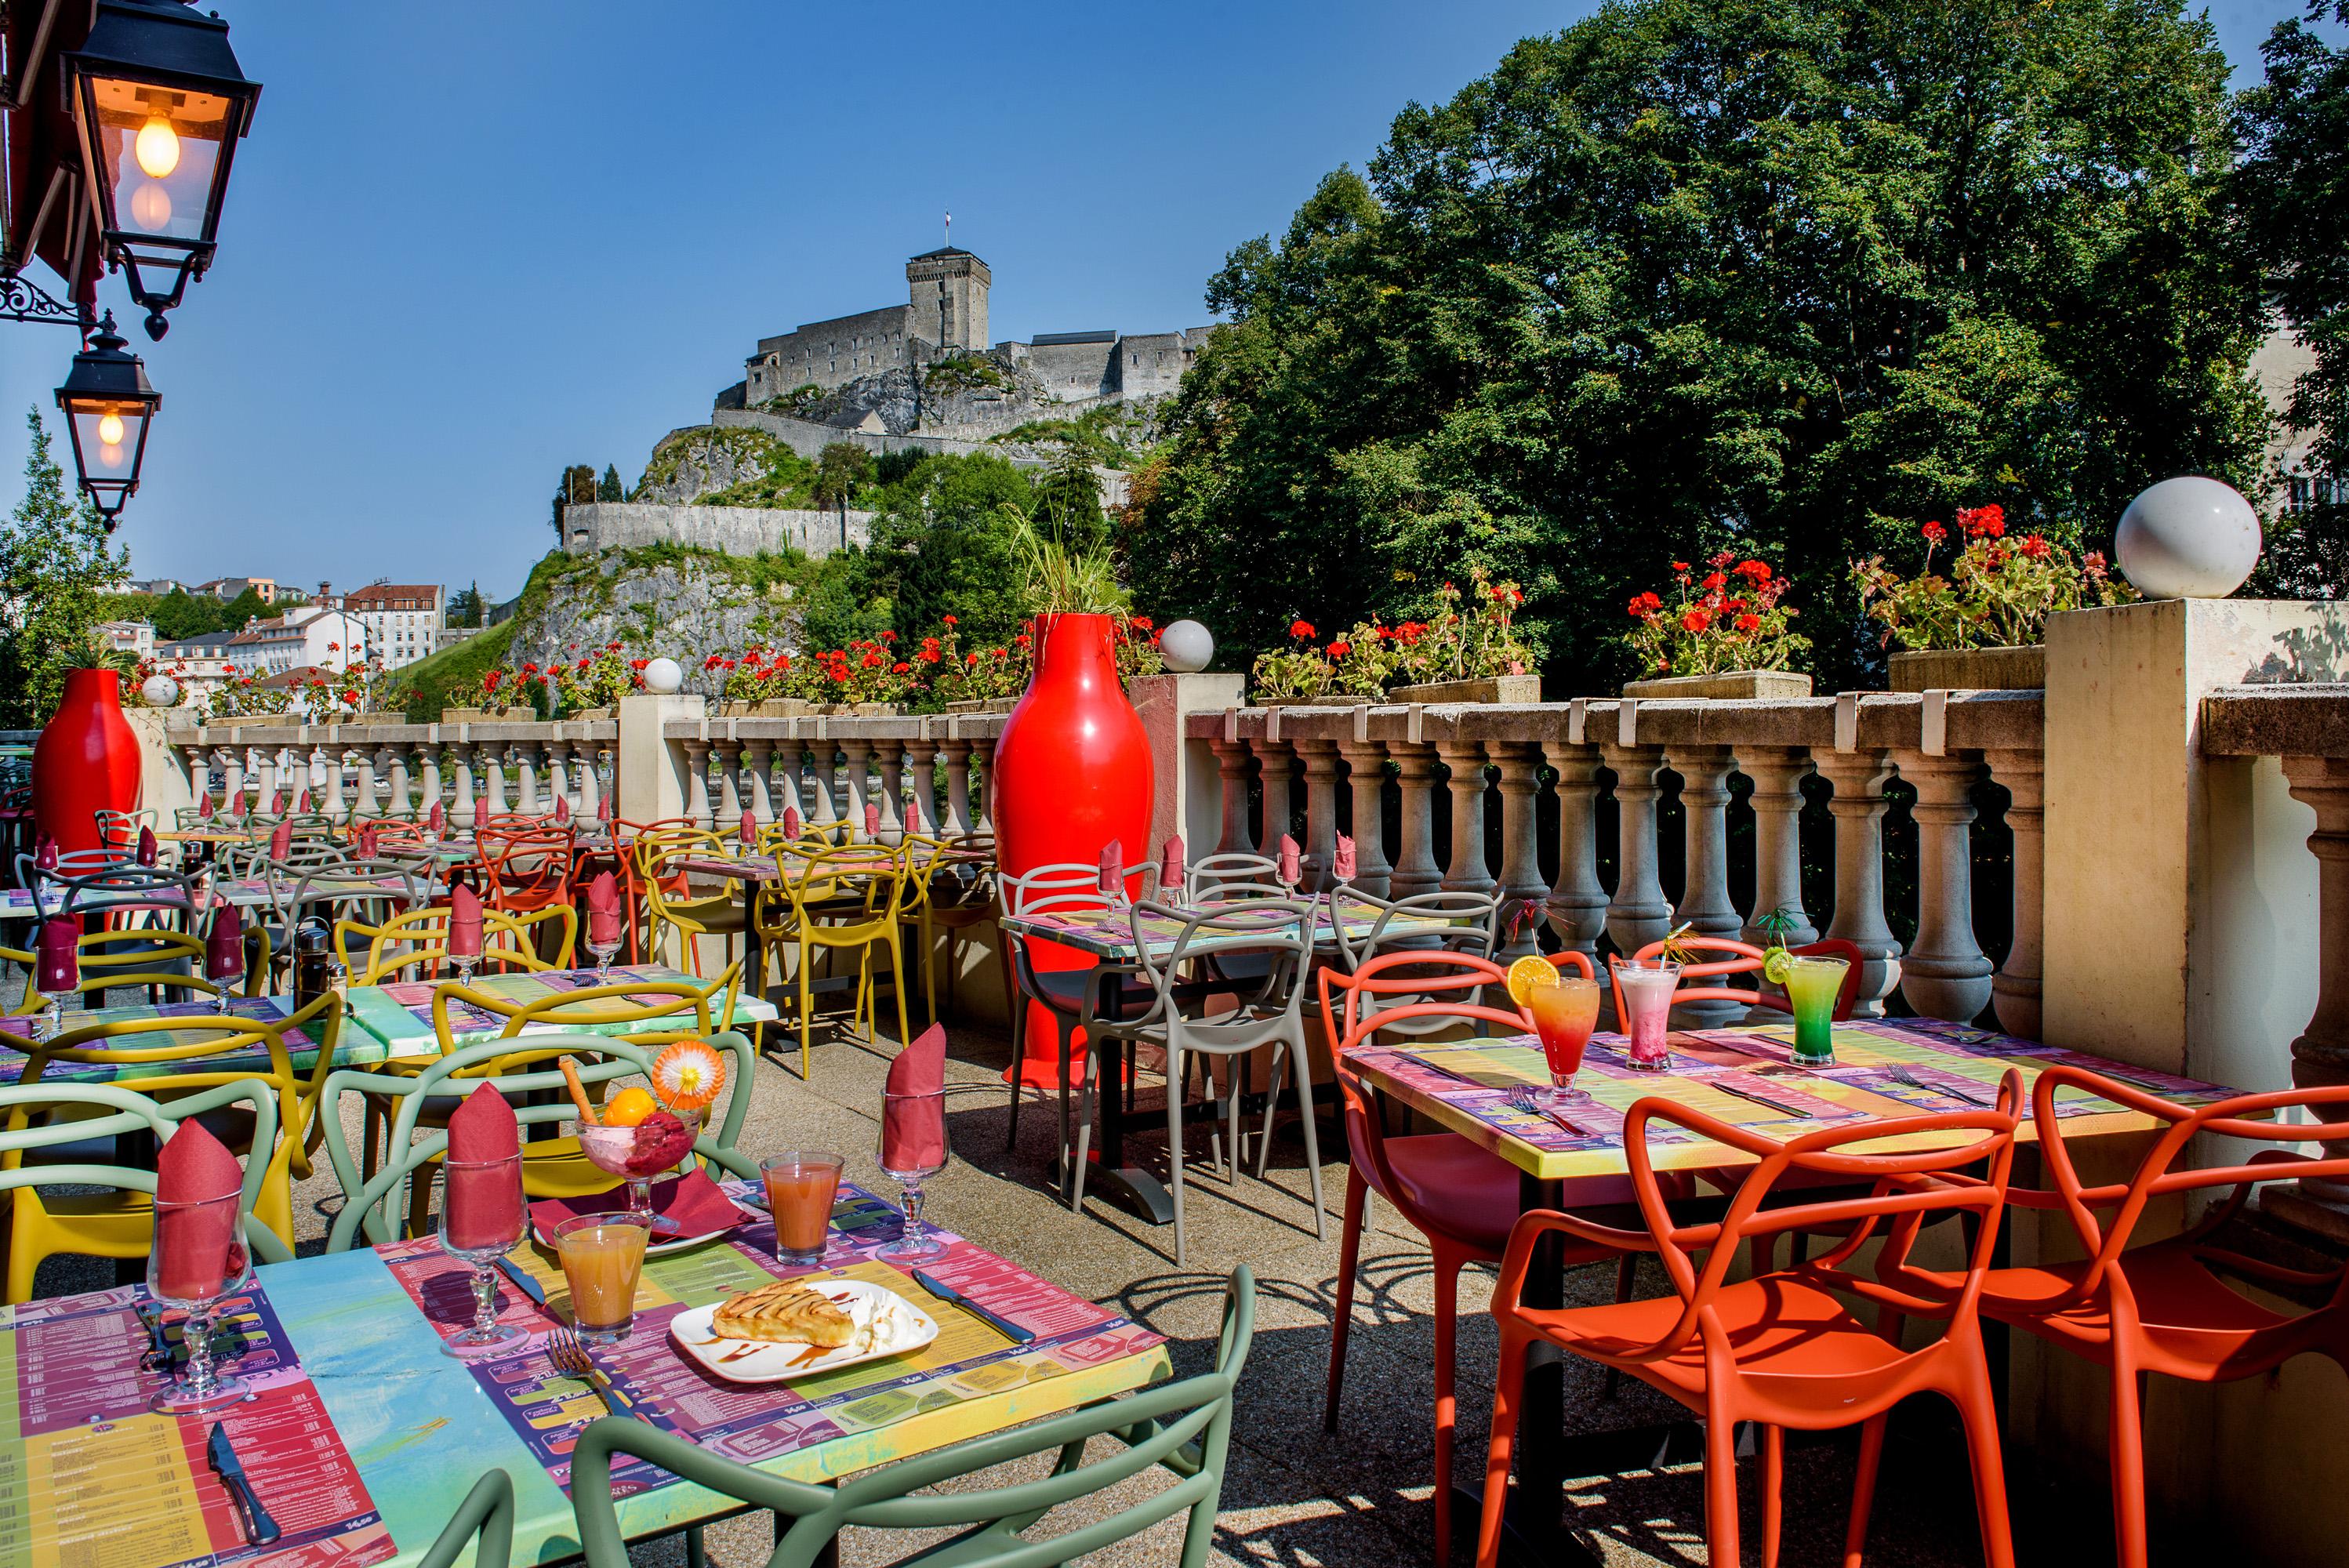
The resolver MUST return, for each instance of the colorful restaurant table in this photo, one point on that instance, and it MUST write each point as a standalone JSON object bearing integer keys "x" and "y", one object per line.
{"x": 399, "y": 1016}
{"x": 245, "y": 893}
{"x": 420, "y": 1427}
{"x": 355, "y": 1048}
{"x": 1108, "y": 932}
{"x": 1464, "y": 1086}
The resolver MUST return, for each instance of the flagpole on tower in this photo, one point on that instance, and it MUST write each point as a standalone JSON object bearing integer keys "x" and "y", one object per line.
{"x": 949, "y": 230}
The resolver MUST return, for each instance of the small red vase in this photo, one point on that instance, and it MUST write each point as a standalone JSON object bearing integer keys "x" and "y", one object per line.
{"x": 86, "y": 761}
{"x": 1072, "y": 771}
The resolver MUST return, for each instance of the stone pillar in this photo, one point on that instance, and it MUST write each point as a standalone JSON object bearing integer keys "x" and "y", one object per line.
{"x": 824, "y": 768}
{"x": 1521, "y": 879}
{"x": 1415, "y": 870}
{"x": 1183, "y": 796}
{"x": 462, "y": 814}
{"x": 696, "y": 790}
{"x": 331, "y": 804}
{"x": 400, "y": 806}
{"x": 432, "y": 784}
{"x": 1946, "y": 974}
{"x": 652, "y": 777}
{"x": 588, "y": 799}
{"x": 982, "y": 776}
{"x": 921, "y": 784}
{"x": 1232, "y": 760}
{"x": 1277, "y": 767}
{"x": 856, "y": 781}
{"x": 493, "y": 781}
{"x": 1468, "y": 872}
{"x": 232, "y": 761}
{"x": 891, "y": 755}
{"x": 1320, "y": 760}
{"x": 1777, "y": 772}
{"x": 1366, "y": 773}
{"x": 199, "y": 772}
{"x": 1639, "y": 913}
{"x": 1859, "y": 778}
{"x": 726, "y": 757}
{"x": 366, "y": 807}
{"x": 1704, "y": 905}
{"x": 1578, "y": 903}
{"x": 761, "y": 754}
{"x": 957, "y": 820}
{"x": 526, "y": 780}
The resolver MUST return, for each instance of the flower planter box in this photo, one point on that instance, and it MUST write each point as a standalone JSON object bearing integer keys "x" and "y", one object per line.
{"x": 765, "y": 707}
{"x": 487, "y": 715}
{"x": 1971, "y": 669}
{"x": 860, "y": 709}
{"x": 1298, "y": 702}
{"x": 983, "y": 705}
{"x": 1727, "y": 685}
{"x": 587, "y": 713}
{"x": 1484, "y": 688}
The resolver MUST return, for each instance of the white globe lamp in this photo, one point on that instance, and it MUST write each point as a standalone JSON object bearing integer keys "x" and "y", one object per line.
{"x": 1188, "y": 646}
{"x": 2187, "y": 538}
{"x": 662, "y": 677}
{"x": 159, "y": 691}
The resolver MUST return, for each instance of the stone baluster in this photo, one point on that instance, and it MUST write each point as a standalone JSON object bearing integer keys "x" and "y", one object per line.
{"x": 1519, "y": 762}
{"x": 2014, "y": 989}
{"x": 1415, "y": 870}
{"x": 982, "y": 778}
{"x": 200, "y": 770}
{"x": 1859, "y": 777}
{"x": 589, "y": 800}
{"x": 366, "y": 807}
{"x": 1233, "y": 759}
{"x": 396, "y": 803}
{"x": 890, "y": 755}
{"x": 856, "y": 782}
{"x": 1578, "y": 903}
{"x": 2320, "y": 1055}
{"x": 922, "y": 784}
{"x": 462, "y": 813}
{"x": 431, "y": 780}
{"x": 1276, "y": 762}
{"x": 492, "y": 801}
{"x": 1637, "y": 914}
{"x": 1704, "y": 905}
{"x": 1468, "y": 872}
{"x": 958, "y": 815}
{"x": 757, "y": 798}
{"x": 527, "y": 780}
{"x": 823, "y": 805}
{"x": 697, "y": 782}
{"x": 791, "y": 756}
{"x": 1320, "y": 765}
{"x": 726, "y": 761}
{"x": 1946, "y": 974}
{"x": 559, "y": 755}
{"x": 328, "y": 762}
{"x": 1777, "y": 772}
{"x": 231, "y": 762}
{"x": 1366, "y": 773}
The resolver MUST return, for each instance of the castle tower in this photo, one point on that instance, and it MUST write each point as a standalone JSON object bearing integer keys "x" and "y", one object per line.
{"x": 946, "y": 298}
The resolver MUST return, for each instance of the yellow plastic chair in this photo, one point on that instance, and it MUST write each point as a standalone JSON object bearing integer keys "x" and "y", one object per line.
{"x": 831, "y": 901}
{"x": 149, "y": 957}
{"x": 953, "y": 891}
{"x": 668, "y": 902}
{"x": 49, "y": 1130}
{"x": 533, "y": 1085}
{"x": 418, "y": 940}
{"x": 118, "y": 1049}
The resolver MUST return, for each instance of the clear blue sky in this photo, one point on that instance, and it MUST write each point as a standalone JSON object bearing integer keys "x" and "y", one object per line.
{"x": 468, "y": 243}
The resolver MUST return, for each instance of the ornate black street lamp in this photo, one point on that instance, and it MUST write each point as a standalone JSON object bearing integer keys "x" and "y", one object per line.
{"x": 159, "y": 105}
{"x": 107, "y": 403}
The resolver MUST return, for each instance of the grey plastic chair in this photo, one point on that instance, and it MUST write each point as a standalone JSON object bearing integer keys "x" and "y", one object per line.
{"x": 1476, "y": 933}
{"x": 1268, "y": 1011}
{"x": 1184, "y": 1428}
{"x": 1205, "y": 876}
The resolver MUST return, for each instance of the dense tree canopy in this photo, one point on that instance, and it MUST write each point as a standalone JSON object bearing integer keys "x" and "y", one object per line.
{"x": 1785, "y": 276}
{"x": 56, "y": 567}
{"x": 940, "y": 545}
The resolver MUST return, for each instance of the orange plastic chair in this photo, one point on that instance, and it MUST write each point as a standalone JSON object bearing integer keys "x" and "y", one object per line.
{"x": 1746, "y": 960}
{"x": 1784, "y": 1348}
{"x": 525, "y": 870}
{"x": 1460, "y": 1197}
{"x": 2164, "y": 1308}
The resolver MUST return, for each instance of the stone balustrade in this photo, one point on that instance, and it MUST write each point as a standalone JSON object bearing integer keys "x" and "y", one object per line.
{"x": 1545, "y": 774}
{"x": 829, "y": 769}
{"x": 399, "y": 770}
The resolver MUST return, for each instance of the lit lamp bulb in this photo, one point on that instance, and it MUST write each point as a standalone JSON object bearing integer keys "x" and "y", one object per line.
{"x": 110, "y": 429}
{"x": 158, "y": 146}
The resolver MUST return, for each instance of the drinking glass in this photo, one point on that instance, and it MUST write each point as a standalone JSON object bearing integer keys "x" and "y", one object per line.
{"x": 603, "y": 1254}
{"x": 1647, "y": 986}
{"x": 801, "y": 1186}
{"x": 603, "y": 953}
{"x": 613, "y": 1151}
{"x": 1813, "y": 984}
{"x": 198, "y": 1257}
{"x": 57, "y": 968}
{"x": 482, "y": 1220}
{"x": 1564, "y": 1016}
{"x": 913, "y": 1149}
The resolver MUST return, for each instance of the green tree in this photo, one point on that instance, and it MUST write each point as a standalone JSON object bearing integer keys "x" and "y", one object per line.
{"x": 2293, "y": 197}
{"x": 941, "y": 545}
{"x": 246, "y": 606}
{"x": 56, "y": 567}
{"x": 465, "y": 607}
{"x": 608, "y": 487}
{"x": 576, "y": 487}
{"x": 181, "y": 613}
{"x": 840, "y": 471}
{"x": 1783, "y": 276}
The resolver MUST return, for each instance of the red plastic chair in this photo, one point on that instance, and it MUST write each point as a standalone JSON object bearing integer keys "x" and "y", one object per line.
{"x": 1784, "y": 1348}
{"x": 1460, "y": 1197}
{"x": 2164, "y": 1307}
{"x": 522, "y": 871}
{"x": 1748, "y": 959}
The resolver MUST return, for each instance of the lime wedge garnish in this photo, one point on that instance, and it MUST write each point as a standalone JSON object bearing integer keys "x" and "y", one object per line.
{"x": 1776, "y": 964}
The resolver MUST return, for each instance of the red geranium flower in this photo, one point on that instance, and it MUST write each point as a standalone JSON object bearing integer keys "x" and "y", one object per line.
{"x": 950, "y": 621}
{"x": 1983, "y": 522}
{"x": 1711, "y": 582}
{"x": 1748, "y": 623}
{"x": 1144, "y": 622}
{"x": 1340, "y": 650}
{"x": 2035, "y": 546}
{"x": 1697, "y": 619}
{"x": 1301, "y": 629}
{"x": 1934, "y": 532}
{"x": 1645, "y": 604}
{"x": 1680, "y": 566}
{"x": 1757, "y": 570}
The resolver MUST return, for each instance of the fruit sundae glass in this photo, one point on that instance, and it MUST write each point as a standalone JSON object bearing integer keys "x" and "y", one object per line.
{"x": 640, "y": 1134}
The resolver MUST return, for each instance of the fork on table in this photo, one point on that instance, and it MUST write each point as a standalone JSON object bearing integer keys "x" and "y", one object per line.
{"x": 1898, "y": 1073}
{"x": 1521, "y": 1100}
{"x": 571, "y": 1359}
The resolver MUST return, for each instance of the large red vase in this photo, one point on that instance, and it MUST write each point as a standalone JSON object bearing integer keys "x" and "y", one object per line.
{"x": 86, "y": 761}
{"x": 1072, "y": 771}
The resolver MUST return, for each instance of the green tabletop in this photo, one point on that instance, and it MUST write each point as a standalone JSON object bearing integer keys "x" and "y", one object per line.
{"x": 355, "y": 1048}
{"x": 398, "y": 1016}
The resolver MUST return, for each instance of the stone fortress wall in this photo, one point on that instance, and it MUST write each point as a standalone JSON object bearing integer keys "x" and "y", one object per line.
{"x": 593, "y": 527}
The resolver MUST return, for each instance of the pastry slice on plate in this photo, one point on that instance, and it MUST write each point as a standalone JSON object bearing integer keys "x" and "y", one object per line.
{"x": 785, "y": 1311}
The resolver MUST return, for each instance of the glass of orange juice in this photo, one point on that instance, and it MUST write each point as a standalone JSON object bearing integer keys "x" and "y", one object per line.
{"x": 801, "y": 1186}
{"x": 1564, "y": 1016}
{"x": 602, "y": 1256}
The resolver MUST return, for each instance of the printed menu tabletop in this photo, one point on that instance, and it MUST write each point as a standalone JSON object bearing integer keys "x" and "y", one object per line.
{"x": 1108, "y": 932}
{"x": 1744, "y": 1077}
{"x": 421, "y": 1426}
{"x": 245, "y": 893}
{"x": 401, "y": 1014}
{"x": 88, "y": 1475}
{"x": 355, "y": 1047}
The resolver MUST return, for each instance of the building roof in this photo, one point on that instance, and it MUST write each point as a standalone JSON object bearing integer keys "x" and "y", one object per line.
{"x": 941, "y": 254}
{"x": 1047, "y": 339}
{"x": 374, "y": 592}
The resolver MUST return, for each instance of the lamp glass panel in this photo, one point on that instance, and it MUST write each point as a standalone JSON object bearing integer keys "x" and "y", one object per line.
{"x": 160, "y": 147}
{"x": 108, "y": 435}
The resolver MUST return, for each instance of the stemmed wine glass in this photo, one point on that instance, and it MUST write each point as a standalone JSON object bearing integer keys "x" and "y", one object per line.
{"x": 482, "y": 1220}
{"x": 58, "y": 967}
{"x": 603, "y": 953}
{"x": 912, "y": 1150}
{"x": 198, "y": 1258}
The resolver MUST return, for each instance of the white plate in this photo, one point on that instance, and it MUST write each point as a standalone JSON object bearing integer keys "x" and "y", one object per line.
{"x": 656, "y": 1249}
{"x": 905, "y": 1327}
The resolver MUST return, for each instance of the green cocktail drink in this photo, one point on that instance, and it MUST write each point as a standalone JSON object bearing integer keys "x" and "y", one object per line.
{"x": 1812, "y": 986}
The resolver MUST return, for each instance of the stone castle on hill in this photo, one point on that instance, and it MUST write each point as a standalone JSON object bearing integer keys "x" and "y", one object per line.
{"x": 943, "y": 318}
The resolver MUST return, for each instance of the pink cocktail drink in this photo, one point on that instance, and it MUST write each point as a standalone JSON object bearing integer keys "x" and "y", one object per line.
{"x": 1648, "y": 985}
{"x": 1564, "y": 1016}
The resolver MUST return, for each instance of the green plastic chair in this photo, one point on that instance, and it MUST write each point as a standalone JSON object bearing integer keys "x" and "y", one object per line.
{"x": 40, "y": 1148}
{"x": 1184, "y": 1427}
{"x": 485, "y": 1521}
{"x": 371, "y": 1204}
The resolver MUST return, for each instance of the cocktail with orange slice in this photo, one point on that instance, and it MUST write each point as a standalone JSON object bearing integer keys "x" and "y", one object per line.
{"x": 1565, "y": 1010}
{"x": 641, "y": 1133}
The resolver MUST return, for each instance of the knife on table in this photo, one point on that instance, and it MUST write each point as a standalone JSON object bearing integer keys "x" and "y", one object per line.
{"x": 945, "y": 1292}
{"x": 1761, "y": 1100}
{"x": 522, "y": 1280}
{"x": 260, "y": 1529}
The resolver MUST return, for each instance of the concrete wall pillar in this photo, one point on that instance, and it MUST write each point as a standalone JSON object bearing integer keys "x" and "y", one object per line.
{"x": 652, "y": 778}
{"x": 1184, "y": 772}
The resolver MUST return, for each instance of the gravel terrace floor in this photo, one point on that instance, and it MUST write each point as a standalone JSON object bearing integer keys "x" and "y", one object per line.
{"x": 1293, "y": 1494}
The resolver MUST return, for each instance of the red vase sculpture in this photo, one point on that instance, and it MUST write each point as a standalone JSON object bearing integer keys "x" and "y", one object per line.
{"x": 86, "y": 761}
{"x": 1072, "y": 771}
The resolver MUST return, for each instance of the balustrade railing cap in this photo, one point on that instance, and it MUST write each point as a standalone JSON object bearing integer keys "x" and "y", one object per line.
{"x": 2276, "y": 721}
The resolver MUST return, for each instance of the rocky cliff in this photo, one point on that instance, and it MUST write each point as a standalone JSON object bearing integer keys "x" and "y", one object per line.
{"x": 685, "y": 603}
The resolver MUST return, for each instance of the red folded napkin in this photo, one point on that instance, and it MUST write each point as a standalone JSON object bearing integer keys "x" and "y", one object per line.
{"x": 604, "y": 808}
{"x": 694, "y": 1201}
{"x": 1343, "y": 864}
{"x": 872, "y": 820}
{"x": 281, "y": 841}
{"x": 913, "y": 813}
{"x": 562, "y": 807}
{"x": 913, "y": 1132}
{"x": 146, "y": 846}
{"x": 45, "y": 853}
{"x": 1291, "y": 871}
{"x": 920, "y": 1068}
{"x": 59, "y": 959}
{"x": 437, "y": 819}
{"x": 484, "y": 1206}
{"x": 195, "y": 1245}
{"x": 790, "y": 821}
{"x": 277, "y": 803}
{"x": 603, "y": 910}
{"x": 369, "y": 843}
{"x": 224, "y": 944}
{"x": 748, "y": 831}
{"x": 302, "y": 800}
{"x": 1112, "y": 869}
{"x": 205, "y": 805}
{"x": 464, "y": 922}
{"x": 1170, "y": 868}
